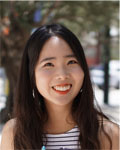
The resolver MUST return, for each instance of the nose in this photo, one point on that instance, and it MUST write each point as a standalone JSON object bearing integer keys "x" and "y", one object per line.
{"x": 62, "y": 73}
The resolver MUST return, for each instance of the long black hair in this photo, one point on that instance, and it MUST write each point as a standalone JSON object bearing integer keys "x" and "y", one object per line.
{"x": 30, "y": 111}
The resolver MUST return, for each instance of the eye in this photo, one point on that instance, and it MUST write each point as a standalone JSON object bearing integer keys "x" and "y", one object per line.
{"x": 48, "y": 65}
{"x": 72, "y": 62}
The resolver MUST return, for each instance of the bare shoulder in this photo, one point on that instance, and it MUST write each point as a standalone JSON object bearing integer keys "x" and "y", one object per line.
{"x": 111, "y": 126}
{"x": 9, "y": 124}
{"x": 7, "y": 135}
{"x": 113, "y": 131}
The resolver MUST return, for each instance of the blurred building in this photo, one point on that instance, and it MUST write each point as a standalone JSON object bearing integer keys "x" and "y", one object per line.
{"x": 93, "y": 47}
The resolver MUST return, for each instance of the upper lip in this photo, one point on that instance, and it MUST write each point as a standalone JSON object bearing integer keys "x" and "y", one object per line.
{"x": 63, "y": 84}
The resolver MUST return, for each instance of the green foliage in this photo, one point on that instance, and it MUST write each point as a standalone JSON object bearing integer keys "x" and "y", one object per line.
{"x": 87, "y": 15}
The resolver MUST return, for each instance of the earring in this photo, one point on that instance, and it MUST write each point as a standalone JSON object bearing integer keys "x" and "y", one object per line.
{"x": 81, "y": 90}
{"x": 33, "y": 93}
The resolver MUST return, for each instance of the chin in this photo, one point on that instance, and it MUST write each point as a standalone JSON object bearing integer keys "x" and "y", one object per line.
{"x": 63, "y": 102}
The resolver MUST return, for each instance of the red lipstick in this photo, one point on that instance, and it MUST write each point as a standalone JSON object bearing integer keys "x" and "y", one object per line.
{"x": 62, "y": 92}
{"x": 63, "y": 84}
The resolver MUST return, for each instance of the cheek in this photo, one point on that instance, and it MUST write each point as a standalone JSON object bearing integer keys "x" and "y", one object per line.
{"x": 42, "y": 78}
{"x": 78, "y": 75}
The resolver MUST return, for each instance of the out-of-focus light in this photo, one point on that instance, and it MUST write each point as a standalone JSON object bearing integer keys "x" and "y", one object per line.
{"x": 33, "y": 30}
{"x": 114, "y": 31}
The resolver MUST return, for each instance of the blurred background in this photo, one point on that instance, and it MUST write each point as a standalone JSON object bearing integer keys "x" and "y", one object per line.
{"x": 95, "y": 23}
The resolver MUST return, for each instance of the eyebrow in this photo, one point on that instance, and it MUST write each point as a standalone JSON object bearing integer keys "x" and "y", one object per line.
{"x": 51, "y": 58}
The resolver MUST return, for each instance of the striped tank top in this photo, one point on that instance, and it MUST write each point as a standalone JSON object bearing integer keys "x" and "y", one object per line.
{"x": 65, "y": 141}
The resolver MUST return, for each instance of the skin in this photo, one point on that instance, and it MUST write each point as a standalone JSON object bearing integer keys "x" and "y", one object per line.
{"x": 59, "y": 105}
{"x": 61, "y": 69}
{"x": 58, "y": 70}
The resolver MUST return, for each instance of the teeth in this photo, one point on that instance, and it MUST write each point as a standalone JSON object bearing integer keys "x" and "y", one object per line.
{"x": 62, "y": 88}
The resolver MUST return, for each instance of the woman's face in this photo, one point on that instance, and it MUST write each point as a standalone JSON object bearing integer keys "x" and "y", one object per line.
{"x": 58, "y": 75}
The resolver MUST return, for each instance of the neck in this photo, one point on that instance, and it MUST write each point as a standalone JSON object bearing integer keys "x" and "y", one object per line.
{"x": 59, "y": 119}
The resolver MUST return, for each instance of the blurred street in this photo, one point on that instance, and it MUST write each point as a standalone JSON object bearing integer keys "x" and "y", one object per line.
{"x": 112, "y": 110}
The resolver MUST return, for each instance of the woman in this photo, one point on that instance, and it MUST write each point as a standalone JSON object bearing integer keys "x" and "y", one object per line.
{"x": 54, "y": 104}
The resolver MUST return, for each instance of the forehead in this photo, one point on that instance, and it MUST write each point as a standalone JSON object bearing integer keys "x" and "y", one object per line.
{"x": 55, "y": 46}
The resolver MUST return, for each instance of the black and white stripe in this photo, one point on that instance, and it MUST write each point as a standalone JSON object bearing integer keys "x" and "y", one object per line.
{"x": 67, "y": 140}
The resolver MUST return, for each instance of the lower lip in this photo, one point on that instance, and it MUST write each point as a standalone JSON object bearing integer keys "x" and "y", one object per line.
{"x": 62, "y": 92}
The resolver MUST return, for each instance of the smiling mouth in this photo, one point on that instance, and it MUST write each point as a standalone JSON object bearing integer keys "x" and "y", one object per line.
{"x": 62, "y": 89}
